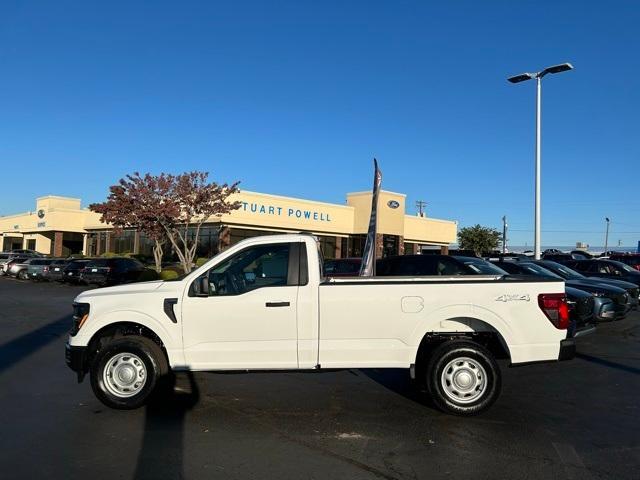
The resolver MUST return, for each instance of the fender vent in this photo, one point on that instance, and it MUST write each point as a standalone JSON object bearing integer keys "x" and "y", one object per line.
{"x": 168, "y": 308}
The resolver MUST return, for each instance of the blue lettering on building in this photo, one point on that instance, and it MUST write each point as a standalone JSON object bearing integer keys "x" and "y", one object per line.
{"x": 261, "y": 209}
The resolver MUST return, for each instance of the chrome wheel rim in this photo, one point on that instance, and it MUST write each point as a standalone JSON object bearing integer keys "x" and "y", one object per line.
{"x": 124, "y": 375}
{"x": 464, "y": 380}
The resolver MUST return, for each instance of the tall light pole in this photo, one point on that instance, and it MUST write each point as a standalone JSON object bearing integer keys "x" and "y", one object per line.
{"x": 504, "y": 234}
{"x": 563, "y": 67}
{"x": 606, "y": 236}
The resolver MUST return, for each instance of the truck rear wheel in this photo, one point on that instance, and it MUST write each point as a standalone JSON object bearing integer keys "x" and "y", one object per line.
{"x": 126, "y": 371}
{"x": 462, "y": 377}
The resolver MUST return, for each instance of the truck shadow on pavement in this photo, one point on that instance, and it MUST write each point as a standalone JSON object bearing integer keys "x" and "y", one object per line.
{"x": 398, "y": 381}
{"x": 162, "y": 452}
{"x": 608, "y": 363}
{"x": 21, "y": 347}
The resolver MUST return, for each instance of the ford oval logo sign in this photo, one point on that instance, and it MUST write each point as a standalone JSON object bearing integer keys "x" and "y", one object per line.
{"x": 40, "y": 213}
{"x": 393, "y": 204}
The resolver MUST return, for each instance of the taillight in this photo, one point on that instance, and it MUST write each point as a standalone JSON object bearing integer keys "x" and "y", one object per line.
{"x": 45, "y": 269}
{"x": 554, "y": 306}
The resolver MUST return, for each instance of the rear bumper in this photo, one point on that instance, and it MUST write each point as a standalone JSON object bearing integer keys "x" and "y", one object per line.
{"x": 75, "y": 358}
{"x": 567, "y": 349}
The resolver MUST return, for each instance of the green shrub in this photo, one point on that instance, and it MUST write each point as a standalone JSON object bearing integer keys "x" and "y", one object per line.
{"x": 148, "y": 275}
{"x": 168, "y": 275}
{"x": 109, "y": 255}
{"x": 201, "y": 261}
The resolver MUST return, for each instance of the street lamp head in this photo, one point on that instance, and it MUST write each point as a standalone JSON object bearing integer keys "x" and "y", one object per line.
{"x": 607, "y": 219}
{"x": 521, "y": 78}
{"x": 563, "y": 67}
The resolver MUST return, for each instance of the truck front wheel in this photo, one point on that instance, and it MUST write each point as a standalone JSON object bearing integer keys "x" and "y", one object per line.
{"x": 125, "y": 372}
{"x": 463, "y": 378}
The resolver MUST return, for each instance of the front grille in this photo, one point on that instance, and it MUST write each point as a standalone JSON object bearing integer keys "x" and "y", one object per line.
{"x": 585, "y": 306}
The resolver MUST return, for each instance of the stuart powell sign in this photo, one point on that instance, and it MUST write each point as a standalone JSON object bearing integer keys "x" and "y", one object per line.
{"x": 290, "y": 212}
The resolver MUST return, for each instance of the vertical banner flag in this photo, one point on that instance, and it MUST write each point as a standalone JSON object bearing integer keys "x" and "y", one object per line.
{"x": 368, "y": 266}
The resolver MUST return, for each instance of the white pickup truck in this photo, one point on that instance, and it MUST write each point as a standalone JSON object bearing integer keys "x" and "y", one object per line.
{"x": 264, "y": 304}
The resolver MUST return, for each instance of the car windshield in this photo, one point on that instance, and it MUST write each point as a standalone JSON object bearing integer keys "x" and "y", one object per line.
{"x": 481, "y": 266}
{"x": 538, "y": 270}
{"x": 562, "y": 270}
{"x": 623, "y": 266}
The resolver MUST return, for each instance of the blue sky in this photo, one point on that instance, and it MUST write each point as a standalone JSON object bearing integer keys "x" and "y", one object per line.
{"x": 295, "y": 98}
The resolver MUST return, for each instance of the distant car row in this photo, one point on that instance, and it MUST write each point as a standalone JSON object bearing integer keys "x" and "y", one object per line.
{"x": 98, "y": 271}
{"x": 603, "y": 294}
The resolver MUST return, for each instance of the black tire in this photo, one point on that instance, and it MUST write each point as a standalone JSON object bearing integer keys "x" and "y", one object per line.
{"x": 23, "y": 275}
{"x": 475, "y": 365}
{"x": 156, "y": 368}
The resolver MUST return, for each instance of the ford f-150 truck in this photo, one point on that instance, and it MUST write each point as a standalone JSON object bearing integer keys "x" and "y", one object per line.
{"x": 264, "y": 304}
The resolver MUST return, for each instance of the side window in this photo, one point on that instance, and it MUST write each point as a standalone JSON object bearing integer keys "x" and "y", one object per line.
{"x": 585, "y": 266}
{"x": 252, "y": 268}
{"x": 604, "y": 268}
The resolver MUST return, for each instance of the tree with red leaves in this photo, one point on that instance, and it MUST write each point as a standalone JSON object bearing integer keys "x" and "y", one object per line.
{"x": 137, "y": 202}
{"x": 192, "y": 202}
{"x": 165, "y": 207}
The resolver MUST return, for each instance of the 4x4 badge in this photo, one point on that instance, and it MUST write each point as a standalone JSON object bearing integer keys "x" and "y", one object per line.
{"x": 513, "y": 298}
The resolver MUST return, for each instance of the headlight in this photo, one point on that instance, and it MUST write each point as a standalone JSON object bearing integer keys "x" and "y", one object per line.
{"x": 80, "y": 315}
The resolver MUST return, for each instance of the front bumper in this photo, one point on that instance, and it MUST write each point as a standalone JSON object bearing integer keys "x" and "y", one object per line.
{"x": 75, "y": 358}
{"x": 567, "y": 349}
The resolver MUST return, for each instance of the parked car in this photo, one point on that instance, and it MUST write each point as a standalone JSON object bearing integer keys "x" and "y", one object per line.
{"x": 4, "y": 258}
{"x": 26, "y": 253}
{"x": 480, "y": 266}
{"x": 112, "y": 271}
{"x": 18, "y": 268}
{"x": 557, "y": 257}
{"x": 419, "y": 265}
{"x": 603, "y": 287}
{"x": 342, "y": 267}
{"x": 580, "y": 255}
{"x": 39, "y": 268}
{"x": 56, "y": 270}
{"x": 6, "y": 268}
{"x": 631, "y": 259}
{"x": 445, "y": 265}
{"x": 609, "y": 269}
{"x": 72, "y": 272}
{"x": 263, "y": 305}
{"x": 585, "y": 307}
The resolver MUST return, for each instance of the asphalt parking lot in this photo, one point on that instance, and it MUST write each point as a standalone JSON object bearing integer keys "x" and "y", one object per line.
{"x": 572, "y": 420}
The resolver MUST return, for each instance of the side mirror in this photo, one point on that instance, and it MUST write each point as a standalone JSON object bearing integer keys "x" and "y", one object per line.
{"x": 201, "y": 286}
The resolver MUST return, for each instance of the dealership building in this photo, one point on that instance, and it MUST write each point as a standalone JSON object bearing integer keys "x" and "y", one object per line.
{"x": 59, "y": 226}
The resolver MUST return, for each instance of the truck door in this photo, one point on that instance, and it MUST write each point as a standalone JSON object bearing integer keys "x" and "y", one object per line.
{"x": 248, "y": 319}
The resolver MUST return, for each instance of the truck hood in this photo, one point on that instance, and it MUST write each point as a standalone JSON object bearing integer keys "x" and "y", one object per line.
{"x": 131, "y": 288}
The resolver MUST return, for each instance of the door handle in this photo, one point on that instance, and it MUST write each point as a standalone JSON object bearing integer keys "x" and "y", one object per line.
{"x": 277, "y": 304}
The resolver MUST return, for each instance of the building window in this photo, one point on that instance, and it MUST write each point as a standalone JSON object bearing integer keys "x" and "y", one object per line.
{"x": 389, "y": 245}
{"x": 409, "y": 248}
{"x": 328, "y": 246}
{"x": 355, "y": 246}
{"x": 238, "y": 234}
{"x": 123, "y": 242}
{"x": 31, "y": 244}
